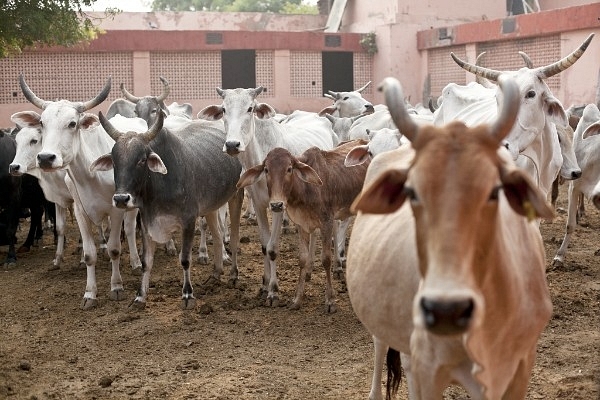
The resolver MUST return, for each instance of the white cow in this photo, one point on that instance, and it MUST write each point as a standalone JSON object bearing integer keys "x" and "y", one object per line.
{"x": 251, "y": 134}
{"x": 71, "y": 140}
{"x": 348, "y": 104}
{"x": 586, "y": 142}
{"x": 54, "y": 185}
{"x": 533, "y": 141}
{"x": 455, "y": 280}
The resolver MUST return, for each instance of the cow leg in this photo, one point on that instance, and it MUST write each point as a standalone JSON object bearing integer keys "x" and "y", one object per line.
{"x": 235, "y": 213}
{"x": 572, "y": 208}
{"x": 117, "y": 292}
{"x": 202, "y": 247}
{"x": 272, "y": 253}
{"x": 340, "y": 229}
{"x": 35, "y": 225}
{"x": 304, "y": 258}
{"x": 312, "y": 249}
{"x": 380, "y": 350}
{"x": 249, "y": 213}
{"x": 148, "y": 249}
{"x": 188, "y": 301}
{"x": 223, "y": 223}
{"x": 89, "y": 258}
{"x": 61, "y": 219}
{"x": 518, "y": 386}
{"x": 130, "y": 222}
{"x": 326, "y": 255}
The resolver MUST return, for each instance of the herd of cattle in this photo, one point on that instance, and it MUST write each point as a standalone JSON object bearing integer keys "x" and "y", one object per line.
{"x": 454, "y": 287}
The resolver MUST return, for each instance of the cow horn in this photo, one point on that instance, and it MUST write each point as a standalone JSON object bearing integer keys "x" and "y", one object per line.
{"x": 221, "y": 92}
{"x": 30, "y": 96}
{"x": 335, "y": 95}
{"x": 364, "y": 87}
{"x": 510, "y": 108}
{"x": 166, "y": 90}
{"x": 108, "y": 127}
{"x": 257, "y": 91}
{"x": 100, "y": 97}
{"x": 155, "y": 128}
{"x": 559, "y": 66}
{"x": 527, "y": 60}
{"x": 394, "y": 100}
{"x": 128, "y": 95}
{"x": 488, "y": 73}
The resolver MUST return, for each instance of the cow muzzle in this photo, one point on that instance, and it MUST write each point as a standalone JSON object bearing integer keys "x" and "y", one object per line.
{"x": 15, "y": 170}
{"x": 122, "y": 200}
{"x": 232, "y": 147}
{"x": 47, "y": 161}
{"x": 447, "y": 317}
{"x": 276, "y": 206}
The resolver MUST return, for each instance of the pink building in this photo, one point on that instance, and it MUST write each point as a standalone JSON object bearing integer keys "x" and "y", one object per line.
{"x": 297, "y": 61}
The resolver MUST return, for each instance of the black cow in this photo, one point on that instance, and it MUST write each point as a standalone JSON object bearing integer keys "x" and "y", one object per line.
{"x": 173, "y": 177}
{"x": 17, "y": 194}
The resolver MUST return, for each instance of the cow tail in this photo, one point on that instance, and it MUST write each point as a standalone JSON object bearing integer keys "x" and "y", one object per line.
{"x": 394, "y": 373}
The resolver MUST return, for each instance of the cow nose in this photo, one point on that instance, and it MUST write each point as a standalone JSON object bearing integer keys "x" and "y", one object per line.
{"x": 13, "y": 169}
{"x": 369, "y": 109}
{"x": 45, "y": 160}
{"x": 576, "y": 174}
{"x": 447, "y": 317}
{"x": 232, "y": 146}
{"x": 121, "y": 200}
{"x": 277, "y": 206}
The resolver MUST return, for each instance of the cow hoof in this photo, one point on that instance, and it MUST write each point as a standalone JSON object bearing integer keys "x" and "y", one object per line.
{"x": 137, "y": 305}
{"x": 82, "y": 265}
{"x": 203, "y": 260}
{"x": 227, "y": 261}
{"x": 330, "y": 308}
{"x": 272, "y": 301}
{"x": 10, "y": 262}
{"x": 233, "y": 283}
{"x": 117, "y": 295}
{"x": 339, "y": 275}
{"x": 23, "y": 249}
{"x": 294, "y": 306}
{"x": 188, "y": 303}
{"x": 137, "y": 271}
{"x": 557, "y": 263}
{"x": 88, "y": 304}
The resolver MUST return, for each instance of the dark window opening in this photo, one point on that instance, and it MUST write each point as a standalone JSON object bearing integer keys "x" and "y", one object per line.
{"x": 238, "y": 69}
{"x": 338, "y": 71}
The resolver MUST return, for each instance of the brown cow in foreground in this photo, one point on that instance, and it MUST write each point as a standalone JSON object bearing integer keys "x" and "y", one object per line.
{"x": 446, "y": 263}
{"x": 315, "y": 189}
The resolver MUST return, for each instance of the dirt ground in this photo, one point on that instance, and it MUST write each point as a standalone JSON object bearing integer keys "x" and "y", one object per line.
{"x": 231, "y": 346}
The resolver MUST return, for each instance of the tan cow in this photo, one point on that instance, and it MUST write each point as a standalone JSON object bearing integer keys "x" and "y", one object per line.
{"x": 315, "y": 189}
{"x": 453, "y": 278}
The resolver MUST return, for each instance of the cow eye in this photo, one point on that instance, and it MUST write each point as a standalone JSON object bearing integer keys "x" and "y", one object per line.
{"x": 494, "y": 194}
{"x": 530, "y": 94}
{"x": 346, "y": 98}
{"x": 249, "y": 109}
{"x": 223, "y": 110}
{"x": 33, "y": 141}
{"x": 289, "y": 170}
{"x": 410, "y": 193}
{"x": 72, "y": 124}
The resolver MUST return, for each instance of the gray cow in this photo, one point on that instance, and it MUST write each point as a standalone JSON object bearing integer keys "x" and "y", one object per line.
{"x": 173, "y": 177}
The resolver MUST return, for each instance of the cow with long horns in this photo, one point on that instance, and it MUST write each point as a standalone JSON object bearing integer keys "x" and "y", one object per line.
{"x": 173, "y": 177}
{"x": 71, "y": 140}
{"x": 455, "y": 281}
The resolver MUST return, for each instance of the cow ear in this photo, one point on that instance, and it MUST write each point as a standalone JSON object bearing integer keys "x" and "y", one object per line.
{"x": 307, "y": 174}
{"x": 88, "y": 121}
{"x": 357, "y": 156}
{"x": 555, "y": 111}
{"x": 524, "y": 197}
{"x": 327, "y": 110}
{"x": 29, "y": 119}
{"x": 264, "y": 111}
{"x": 251, "y": 176}
{"x": 155, "y": 163}
{"x": 384, "y": 195}
{"x": 102, "y": 163}
{"x": 591, "y": 130}
{"x": 211, "y": 113}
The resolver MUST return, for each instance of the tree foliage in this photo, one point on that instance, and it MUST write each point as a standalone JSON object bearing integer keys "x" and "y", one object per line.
{"x": 27, "y": 23}
{"x": 273, "y": 6}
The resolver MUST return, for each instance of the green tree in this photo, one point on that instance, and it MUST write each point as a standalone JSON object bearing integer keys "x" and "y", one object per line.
{"x": 27, "y": 23}
{"x": 274, "y": 6}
